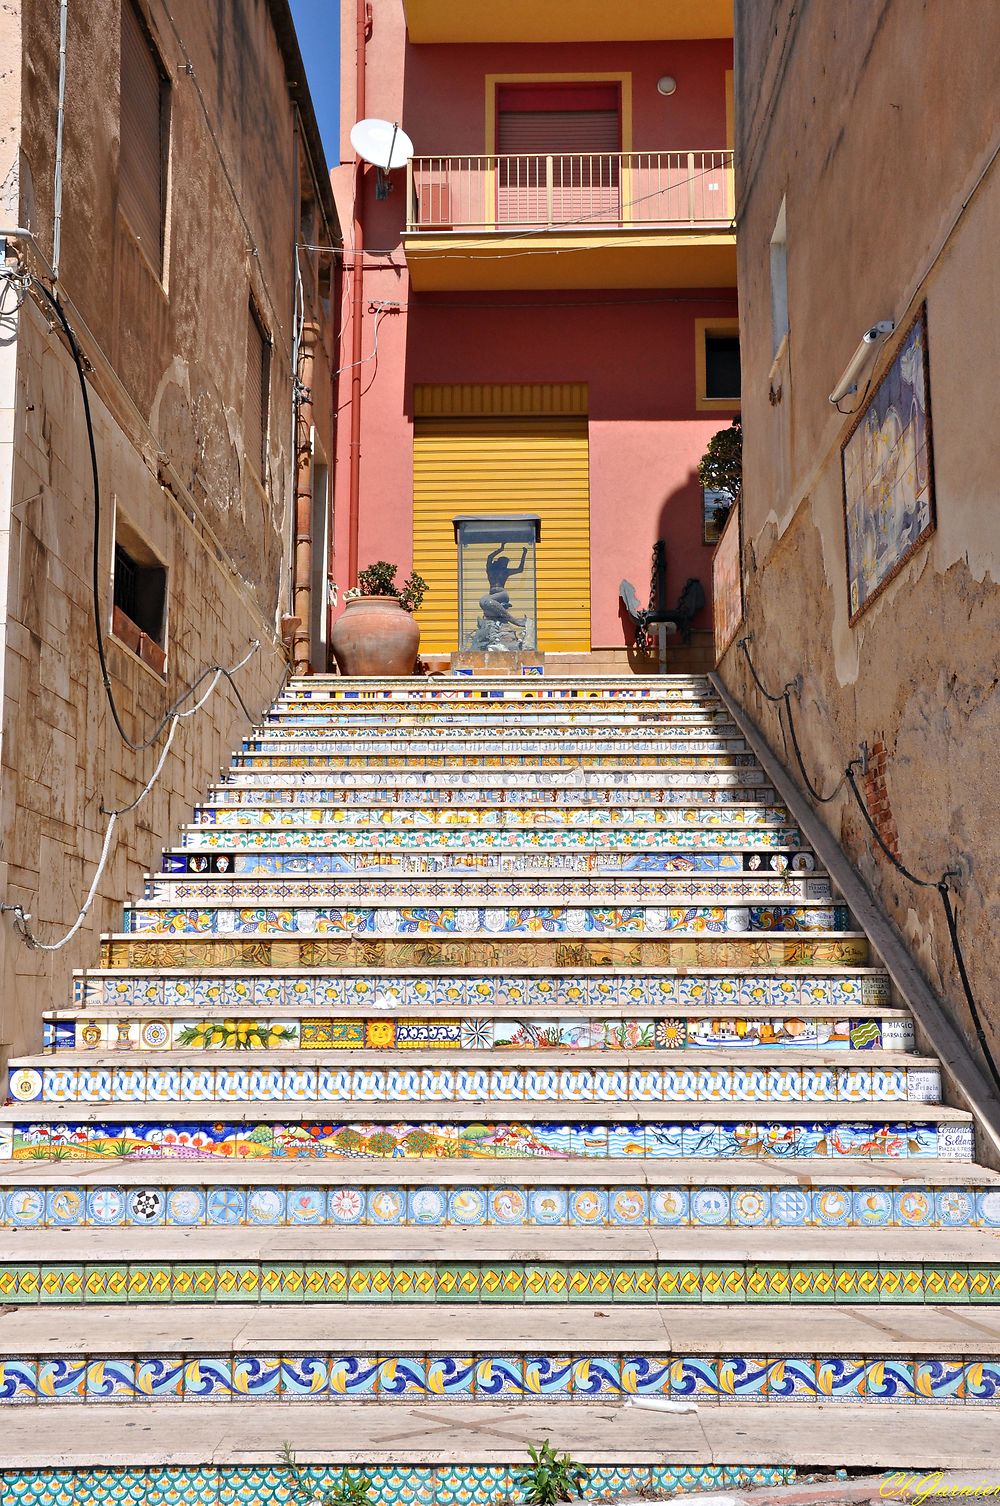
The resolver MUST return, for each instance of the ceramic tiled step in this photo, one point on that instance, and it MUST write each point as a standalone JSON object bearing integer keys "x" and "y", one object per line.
{"x": 407, "y": 723}
{"x": 387, "y": 759}
{"x": 263, "y": 782}
{"x": 744, "y": 815}
{"x": 230, "y": 802}
{"x": 393, "y": 832}
{"x": 361, "y": 1077}
{"x": 421, "y": 1132}
{"x": 316, "y": 747}
{"x": 514, "y": 915}
{"x": 727, "y": 785}
{"x": 759, "y": 951}
{"x": 509, "y": 861}
{"x": 839, "y": 992}
{"x": 488, "y": 1033}
{"x": 761, "y": 1200}
{"x": 498, "y": 1266}
{"x": 449, "y": 1453}
{"x": 526, "y": 713}
{"x": 227, "y": 890}
{"x": 484, "y": 1354}
{"x": 466, "y": 690}
{"x": 673, "y": 753}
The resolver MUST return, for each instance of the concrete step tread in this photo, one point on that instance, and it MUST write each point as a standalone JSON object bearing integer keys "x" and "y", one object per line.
{"x": 541, "y": 856}
{"x": 559, "y": 1007}
{"x": 621, "y": 975}
{"x": 508, "y": 898}
{"x": 642, "y": 1171}
{"x": 499, "y": 1110}
{"x": 648, "y": 829}
{"x": 549, "y": 938}
{"x": 416, "y": 776}
{"x": 784, "y": 885}
{"x": 397, "y": 1328}
{"x": 818, "y": 1434}
{"x": 756, "y": 1246}
{"x": 569, "y": 1058}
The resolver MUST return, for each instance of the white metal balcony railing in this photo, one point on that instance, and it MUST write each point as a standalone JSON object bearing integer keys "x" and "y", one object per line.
{"x": 571, "y": 190}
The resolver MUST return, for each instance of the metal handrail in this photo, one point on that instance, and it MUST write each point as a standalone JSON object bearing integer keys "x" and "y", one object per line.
{"x": 572, "y": 190}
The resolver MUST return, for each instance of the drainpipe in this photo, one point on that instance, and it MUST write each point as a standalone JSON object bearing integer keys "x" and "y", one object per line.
{"x": 357, "y": 304}
{"x": 302, "y": 583}
{"x": 57, "y": 175}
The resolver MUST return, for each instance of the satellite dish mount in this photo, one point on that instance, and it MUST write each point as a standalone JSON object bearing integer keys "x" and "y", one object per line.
{"x": 385, "y": 145}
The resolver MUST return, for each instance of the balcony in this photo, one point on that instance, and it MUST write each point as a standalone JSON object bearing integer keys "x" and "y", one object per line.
{"x": 568, "y": 21}
{"x": 609, "y": 220}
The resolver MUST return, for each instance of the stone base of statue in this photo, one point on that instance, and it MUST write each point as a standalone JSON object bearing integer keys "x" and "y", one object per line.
{"x": 497, "y": 637}
{"x": 498, "y": 662}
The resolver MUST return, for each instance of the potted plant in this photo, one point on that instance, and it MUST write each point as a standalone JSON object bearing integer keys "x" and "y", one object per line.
{"x": 376, "y": 635}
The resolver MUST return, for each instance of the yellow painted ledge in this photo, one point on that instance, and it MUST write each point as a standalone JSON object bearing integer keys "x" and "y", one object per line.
{"x": 618, "y": 259}
{"x": 567, "y": 20}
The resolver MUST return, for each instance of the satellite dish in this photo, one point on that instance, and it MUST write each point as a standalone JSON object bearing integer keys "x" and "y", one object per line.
{"x": 382, "y": 143}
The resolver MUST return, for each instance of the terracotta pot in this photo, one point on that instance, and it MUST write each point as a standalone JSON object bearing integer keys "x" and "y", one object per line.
{"x": 374, "y": 636}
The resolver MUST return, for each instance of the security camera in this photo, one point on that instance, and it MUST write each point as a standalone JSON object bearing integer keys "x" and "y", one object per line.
{"x": 849, "y": 381}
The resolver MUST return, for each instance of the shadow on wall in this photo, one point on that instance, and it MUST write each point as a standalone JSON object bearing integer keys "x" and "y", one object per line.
{"x": 679, "y": 523}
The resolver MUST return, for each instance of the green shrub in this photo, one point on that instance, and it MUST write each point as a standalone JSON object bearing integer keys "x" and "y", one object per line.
{"x": 380, "y": 580}
{"x": 551, "y": 1477}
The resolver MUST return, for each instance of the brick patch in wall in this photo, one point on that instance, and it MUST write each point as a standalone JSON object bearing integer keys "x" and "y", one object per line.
{"x": 876, "y": 796}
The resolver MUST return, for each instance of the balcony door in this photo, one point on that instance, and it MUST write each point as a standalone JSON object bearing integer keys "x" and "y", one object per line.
{"x": 560, "y": 154}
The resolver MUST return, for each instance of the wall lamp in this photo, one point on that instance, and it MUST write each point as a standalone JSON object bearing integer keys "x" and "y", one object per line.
{"x": 849, "y": 381}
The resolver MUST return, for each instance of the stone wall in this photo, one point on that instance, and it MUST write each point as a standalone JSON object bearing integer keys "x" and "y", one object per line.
{"x": 166, "y": 349}
{"x": 879, "y": 136}
{"x": 61, "y": 758}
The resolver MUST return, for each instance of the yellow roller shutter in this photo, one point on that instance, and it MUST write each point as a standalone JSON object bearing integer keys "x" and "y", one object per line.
{"x": 504, "y": 465}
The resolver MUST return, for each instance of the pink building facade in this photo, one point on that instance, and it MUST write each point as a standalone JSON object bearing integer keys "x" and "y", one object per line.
{"x": 559, "y": 250}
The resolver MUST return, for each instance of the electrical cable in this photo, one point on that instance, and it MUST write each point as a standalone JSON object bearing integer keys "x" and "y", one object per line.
{"x": 22, "y": 920}
{"x": 136, "y": 747}
{"x": 942, "y": 885}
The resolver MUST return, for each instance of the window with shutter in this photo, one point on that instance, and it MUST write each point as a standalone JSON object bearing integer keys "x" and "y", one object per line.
{"x": 144, "y": 135}
{"x": 258, "y": 384}
{"x": 560, "y": 154}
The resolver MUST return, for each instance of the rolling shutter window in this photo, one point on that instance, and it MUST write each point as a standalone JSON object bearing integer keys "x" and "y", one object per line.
{"x": 142, "y": 156}
{"x": 257, "y": 391}
{"x": 504, "y": 465}
{"x": 580, "y": 130}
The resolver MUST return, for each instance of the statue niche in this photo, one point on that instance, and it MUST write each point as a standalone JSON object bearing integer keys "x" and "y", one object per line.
{"x": 499, "y": 627}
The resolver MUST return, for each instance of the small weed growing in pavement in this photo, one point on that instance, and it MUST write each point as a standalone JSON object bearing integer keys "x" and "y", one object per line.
{"x": 349, "y": 1490}
{"x": 551, "y": 1477}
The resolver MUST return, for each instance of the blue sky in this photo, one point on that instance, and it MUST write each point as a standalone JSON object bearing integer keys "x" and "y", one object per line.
{"x": 318, "y": 25}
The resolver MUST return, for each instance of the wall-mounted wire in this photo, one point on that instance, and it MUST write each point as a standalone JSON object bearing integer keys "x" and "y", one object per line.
{"x": 22, "y": 920}
{"x": 942, "y": 885}
{"x": 53, "y": 301}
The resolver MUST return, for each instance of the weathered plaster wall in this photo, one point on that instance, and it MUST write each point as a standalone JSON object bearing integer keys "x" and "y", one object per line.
{"x": 167, "y": 387}
{"x": 876, "y": 134}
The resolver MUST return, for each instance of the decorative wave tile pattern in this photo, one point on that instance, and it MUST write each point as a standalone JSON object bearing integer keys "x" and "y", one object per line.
{"x": 494, "y": 1377}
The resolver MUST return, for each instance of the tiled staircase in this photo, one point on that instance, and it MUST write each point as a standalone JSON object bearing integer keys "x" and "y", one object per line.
{"x": 490, "y": 1061}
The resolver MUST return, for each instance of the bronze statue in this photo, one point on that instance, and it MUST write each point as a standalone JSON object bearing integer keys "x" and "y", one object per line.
{"x": 499, "y": 627}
